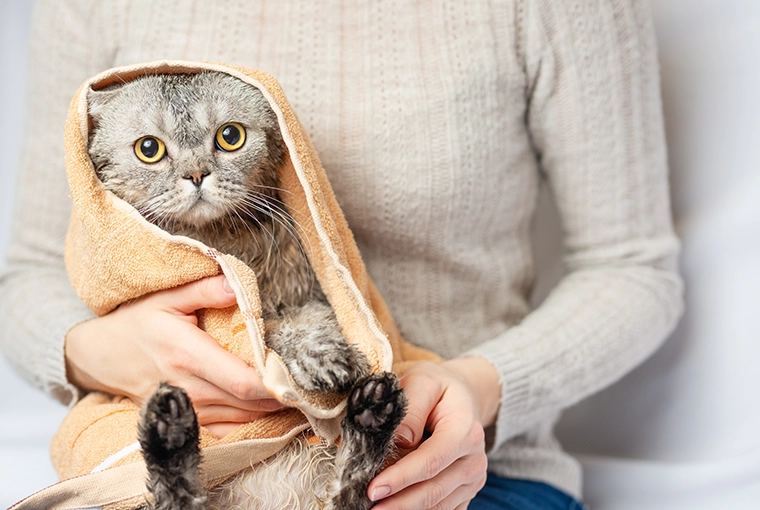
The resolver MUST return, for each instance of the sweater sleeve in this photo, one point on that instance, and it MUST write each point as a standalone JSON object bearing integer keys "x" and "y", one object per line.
{"x": 594, "y": 115}
{"x": 37, "y": 303}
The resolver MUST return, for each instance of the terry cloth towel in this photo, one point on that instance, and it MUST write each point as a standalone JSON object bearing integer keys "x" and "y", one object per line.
{"x": 114, "y": 255}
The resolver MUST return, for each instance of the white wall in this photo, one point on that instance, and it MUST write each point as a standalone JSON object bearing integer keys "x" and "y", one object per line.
{"x": 28, "y": 418}
{"x": 683, "y": 431}
{"x": 14, "y": 28}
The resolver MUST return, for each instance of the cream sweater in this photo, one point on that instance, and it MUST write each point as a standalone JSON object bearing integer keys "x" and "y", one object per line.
{"x": 435, "y": 121}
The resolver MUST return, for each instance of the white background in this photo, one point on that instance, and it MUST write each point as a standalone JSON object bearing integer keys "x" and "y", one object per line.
{"x": 683, "y": 430}
{"x": 28, "y": 418}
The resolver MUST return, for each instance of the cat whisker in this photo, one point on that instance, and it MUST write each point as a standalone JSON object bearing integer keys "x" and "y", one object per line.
{"x": 275, "y": 188}
{"x": 278, "y": 215}
{"x": 268, "y": 212}
{"x": 282, "y": 207}
{"x": 245, "y": 223}
{"x": 262, "y": 226}
{"x": 262, "y": 204}
{"x": 274, "y": 201}
{"x": 154, "y": 216}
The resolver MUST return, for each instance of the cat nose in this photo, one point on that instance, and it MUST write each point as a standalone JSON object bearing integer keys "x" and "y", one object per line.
{"x": 197, "y": 177}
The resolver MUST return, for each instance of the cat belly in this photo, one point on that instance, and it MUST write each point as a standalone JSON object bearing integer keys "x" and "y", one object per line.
{"x": 300, "y": 477}
{"x": 305, "y": 475}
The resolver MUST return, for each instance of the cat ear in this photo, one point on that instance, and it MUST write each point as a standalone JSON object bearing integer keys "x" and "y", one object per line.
{"x": 96, "y": 102}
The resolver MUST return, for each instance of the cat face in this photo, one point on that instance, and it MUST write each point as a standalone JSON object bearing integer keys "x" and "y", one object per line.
{"x": 185, "y": 149}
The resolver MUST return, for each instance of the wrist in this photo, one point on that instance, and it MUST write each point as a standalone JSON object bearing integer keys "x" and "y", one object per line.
{"x": 484, "y": 382}
{"x": 73, "y": 354}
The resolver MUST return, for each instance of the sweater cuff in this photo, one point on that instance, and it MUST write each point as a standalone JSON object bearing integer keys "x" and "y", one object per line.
{"x": 514, "y": 379}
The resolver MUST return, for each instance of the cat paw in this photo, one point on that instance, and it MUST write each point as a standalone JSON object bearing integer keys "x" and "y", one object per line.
{"x": 318, "y": 356}
{"x": 377, "y": 404}
{"x": 168, "y": 425}
{"x": 374, "y": 411}
{"x": 329, "y": 365}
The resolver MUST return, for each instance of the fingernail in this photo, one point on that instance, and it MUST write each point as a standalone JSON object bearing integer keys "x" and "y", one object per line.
{"x": 404, "y": 433}
{"x": 226, "y": 286}
{"x": 380, "y": 493}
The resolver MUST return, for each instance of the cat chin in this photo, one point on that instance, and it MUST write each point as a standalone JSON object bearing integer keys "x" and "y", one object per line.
{"x": 200, "y": 214}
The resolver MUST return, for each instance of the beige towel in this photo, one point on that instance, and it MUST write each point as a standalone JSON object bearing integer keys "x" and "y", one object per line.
{"x": 113, "y": 255}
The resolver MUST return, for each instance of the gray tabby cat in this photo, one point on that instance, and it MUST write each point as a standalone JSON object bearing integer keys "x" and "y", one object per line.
{"x": 198, "y": 155}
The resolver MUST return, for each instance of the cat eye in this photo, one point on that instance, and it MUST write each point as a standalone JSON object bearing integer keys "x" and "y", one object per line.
{"x": 150, "y": 149}
{"x": 230, "y": 137}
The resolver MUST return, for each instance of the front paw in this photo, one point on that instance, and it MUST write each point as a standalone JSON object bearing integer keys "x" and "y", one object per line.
{"x": 318, "y": 356}
{"x": 328, "y": 364}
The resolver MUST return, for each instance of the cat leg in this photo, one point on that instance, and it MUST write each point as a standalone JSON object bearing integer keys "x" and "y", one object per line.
{"x": 375, "y": 409}
{"x": 310, "y": 342}
{"x": 168, "y": 434}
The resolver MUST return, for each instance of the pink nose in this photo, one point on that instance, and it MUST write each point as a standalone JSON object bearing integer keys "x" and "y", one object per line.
{"x": 197, "y": 177}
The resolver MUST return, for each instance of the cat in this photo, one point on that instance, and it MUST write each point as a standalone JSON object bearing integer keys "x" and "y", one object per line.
{"x": 198, "y": 155}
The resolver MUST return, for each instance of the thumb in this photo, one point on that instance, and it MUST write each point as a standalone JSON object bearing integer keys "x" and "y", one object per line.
{"x": 211, "y": 292}
{"x": 423, "y": 393}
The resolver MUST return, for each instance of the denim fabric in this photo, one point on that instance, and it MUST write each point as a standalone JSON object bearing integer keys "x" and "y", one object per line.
{"x": 512, "y": 494}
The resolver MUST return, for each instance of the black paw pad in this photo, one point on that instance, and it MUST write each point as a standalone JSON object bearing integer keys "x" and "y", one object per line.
{"x": 376, "y": 402}
{"x": 168, "y": 423}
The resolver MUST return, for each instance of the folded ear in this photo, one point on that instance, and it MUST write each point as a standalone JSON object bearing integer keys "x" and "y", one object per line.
{"x": 97, "y": 99}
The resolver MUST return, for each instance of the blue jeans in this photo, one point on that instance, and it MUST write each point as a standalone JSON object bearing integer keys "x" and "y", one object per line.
{"x": 512, "y": 494}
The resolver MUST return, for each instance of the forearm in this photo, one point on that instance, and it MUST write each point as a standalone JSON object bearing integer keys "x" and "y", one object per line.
{"x": 594, "y": 328}
{"x": 37, "y": 308}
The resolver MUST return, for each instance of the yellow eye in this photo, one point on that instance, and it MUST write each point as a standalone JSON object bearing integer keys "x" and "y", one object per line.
{"x": 230, "y": 137}
{"x": 150, "y": 149}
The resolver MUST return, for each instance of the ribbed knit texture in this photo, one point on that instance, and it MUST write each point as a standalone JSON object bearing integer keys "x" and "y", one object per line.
{"x": 435, "y": 122}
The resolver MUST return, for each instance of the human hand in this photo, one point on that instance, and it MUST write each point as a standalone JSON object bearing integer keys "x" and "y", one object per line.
{"x": 453, "y": 402}
{"x": 155, "y": 338}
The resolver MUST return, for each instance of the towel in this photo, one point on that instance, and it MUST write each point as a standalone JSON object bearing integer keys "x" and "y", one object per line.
{"x": 114, "y": 255}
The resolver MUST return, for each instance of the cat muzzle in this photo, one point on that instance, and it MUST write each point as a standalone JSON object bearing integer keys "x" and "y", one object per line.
{"x": 196, "y": 177}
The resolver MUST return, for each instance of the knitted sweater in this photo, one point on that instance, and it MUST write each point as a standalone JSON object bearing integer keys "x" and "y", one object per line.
{"x": 436, "y": 122}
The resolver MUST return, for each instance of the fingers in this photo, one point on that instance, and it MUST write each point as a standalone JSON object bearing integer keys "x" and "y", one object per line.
{"x": 448, "y": 468}
{"x": 212, "y": 375}
{"x": 222, "y": 387}
{"x": 205, "y": 394}
{"x": 156, "y": 338}
{"x": 423, "y": 393}
{"x": 221, "y": 429}
{"x": 444, "y": 491}
{"x": 212, "y": 292}
{"x": 190, "y": 358}
{"x": 201, "y": 356}
{"x": 226, "y": 414}
{"x": 449, "y": 453}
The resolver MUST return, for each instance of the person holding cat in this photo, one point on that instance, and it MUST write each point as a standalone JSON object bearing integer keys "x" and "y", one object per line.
{"x": 436, "y": 124}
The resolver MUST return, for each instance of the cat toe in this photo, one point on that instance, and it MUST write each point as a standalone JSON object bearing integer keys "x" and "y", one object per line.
{"x": 168, "y": 421}
{"x": 340, "y": 376}
{"x": 376, "y": 402}
{"x": 331, "y": 366}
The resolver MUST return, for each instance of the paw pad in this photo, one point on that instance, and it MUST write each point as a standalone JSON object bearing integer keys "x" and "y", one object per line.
{"x": 168, "y": 420}
{"x": 376, "y": 401}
